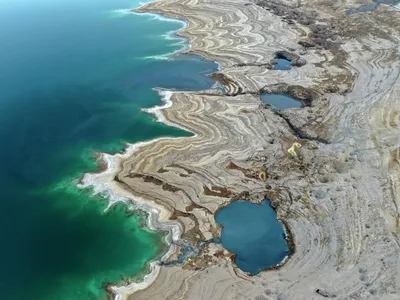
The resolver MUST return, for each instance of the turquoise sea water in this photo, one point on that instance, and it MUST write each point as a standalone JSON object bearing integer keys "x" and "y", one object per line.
{"x": 73, "y": 77}
{"x": 253, "y": 233}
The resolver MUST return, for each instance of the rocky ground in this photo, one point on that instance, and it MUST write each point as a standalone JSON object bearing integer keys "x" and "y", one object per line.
{"x": 338, "y": 199}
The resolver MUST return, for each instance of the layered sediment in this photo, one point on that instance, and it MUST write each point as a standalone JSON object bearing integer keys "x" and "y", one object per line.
{"x": 338, "y": 199}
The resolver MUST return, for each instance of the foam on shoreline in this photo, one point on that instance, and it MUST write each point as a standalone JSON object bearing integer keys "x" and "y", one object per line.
{"x": 102, "y": 182}
{"x": 157, "y": 219}
{"x": 157, "y": 110}
{"x": 170, "y": 35}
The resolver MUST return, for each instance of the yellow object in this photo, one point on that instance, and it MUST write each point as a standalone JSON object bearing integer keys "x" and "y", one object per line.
{"x": 292, "y": 150}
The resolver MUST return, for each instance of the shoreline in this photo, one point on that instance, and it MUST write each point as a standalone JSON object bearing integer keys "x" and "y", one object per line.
{"x": 157, "y": 219}
{"x": 236, "y": 130}
{"x": 160, "y": 15}
{"x": 157, "y": 110}
{"x": 157, "y": 216}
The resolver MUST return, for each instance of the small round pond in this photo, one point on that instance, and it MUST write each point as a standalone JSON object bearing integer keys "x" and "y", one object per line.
{"x": 280, "y": 101}
{"x": 282, "y": 63}
{"x": 253, "y": 233}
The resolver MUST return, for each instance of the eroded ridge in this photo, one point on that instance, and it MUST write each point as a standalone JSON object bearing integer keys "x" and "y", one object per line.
{"x": 338, "y": 199}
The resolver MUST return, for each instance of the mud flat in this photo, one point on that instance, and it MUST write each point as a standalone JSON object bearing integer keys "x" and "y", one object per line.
{"x": 339, "y": 200}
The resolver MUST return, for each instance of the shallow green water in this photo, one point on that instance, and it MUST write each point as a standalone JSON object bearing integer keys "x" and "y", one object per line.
{"x": 73, "y": 77}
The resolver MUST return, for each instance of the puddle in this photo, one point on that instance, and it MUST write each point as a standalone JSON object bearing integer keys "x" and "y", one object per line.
{"x": 282, "y": 63}
{"x": 280, "y": 101}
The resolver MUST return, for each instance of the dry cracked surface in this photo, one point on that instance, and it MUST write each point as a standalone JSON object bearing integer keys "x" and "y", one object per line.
{"x": 339, "y": 198}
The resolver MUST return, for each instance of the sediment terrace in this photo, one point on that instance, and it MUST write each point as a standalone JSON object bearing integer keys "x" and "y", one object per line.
{"x": 338, "y": 199}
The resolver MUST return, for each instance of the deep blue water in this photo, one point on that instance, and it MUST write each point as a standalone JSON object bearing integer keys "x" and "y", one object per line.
{"x": 253, "y": 233}
{"x": 73, "y": 78}
{"x": 282, "y": 63}
{"x": 280, "y": 101}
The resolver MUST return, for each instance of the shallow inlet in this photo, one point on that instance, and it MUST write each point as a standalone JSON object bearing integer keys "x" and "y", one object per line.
{"x": 371, "y": 6}
{"x": 280, "y": 101}
{"x": 282, "y": 63}
{"x": 253, "y": 233}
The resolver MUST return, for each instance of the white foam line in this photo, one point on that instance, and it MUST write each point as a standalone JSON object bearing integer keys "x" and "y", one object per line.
{"x": 157, "y": 110}
{"x": 157, "y": 16}
{"x": 168, "y": 56}
{"x": 168, "y": 35}
{"x": 171, "y": 35}
{"x": 102, "y": 183}
{"x": 158, "y": 57}
{"x": 122, "y": 11}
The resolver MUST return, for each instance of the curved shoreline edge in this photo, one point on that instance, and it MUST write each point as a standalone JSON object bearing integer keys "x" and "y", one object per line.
{"x": 157, "y": 219}
{"x": 337, "y": 198}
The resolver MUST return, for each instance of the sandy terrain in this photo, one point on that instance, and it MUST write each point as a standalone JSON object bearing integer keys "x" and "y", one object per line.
{"x": 339, "y": 198}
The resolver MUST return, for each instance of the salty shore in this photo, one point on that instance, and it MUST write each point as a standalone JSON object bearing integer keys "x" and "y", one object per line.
{"x": 158, "y": 215}
{"x": 339, "y": 199}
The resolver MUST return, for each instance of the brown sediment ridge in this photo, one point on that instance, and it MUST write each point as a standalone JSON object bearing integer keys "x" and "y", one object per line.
{"x": 340, "y": 200}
